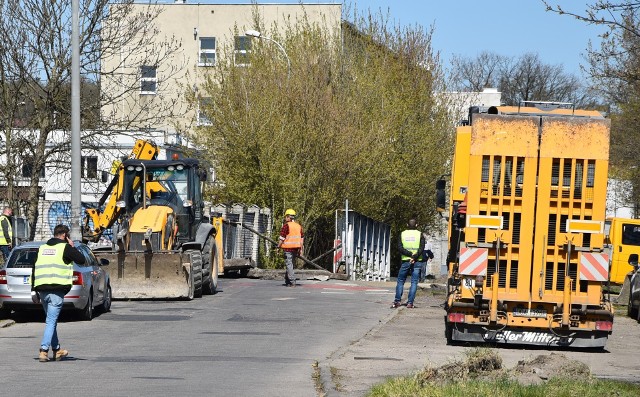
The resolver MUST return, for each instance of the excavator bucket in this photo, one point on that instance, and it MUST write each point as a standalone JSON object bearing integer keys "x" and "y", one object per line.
{"x": 151, "y": 275}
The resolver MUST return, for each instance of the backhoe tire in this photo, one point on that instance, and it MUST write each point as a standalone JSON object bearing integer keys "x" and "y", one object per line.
{"x": 210, "y": 267}
{"x": 196, "y": 269}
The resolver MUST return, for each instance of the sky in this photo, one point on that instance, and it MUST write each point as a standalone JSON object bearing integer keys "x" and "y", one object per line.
{"x": 505, "y": 27}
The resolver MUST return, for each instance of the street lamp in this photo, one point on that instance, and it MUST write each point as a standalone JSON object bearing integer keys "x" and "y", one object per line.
{"x": 258, "y": 35}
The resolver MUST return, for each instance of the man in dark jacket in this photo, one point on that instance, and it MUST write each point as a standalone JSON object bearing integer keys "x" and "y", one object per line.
{"x": 51, "y": 279}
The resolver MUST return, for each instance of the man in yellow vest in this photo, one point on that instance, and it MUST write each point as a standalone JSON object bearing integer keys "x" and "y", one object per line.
{"x": 411, "y": 245}
{"x": 6, "y": 232}
{"x": 292, "y": 243}
{"x": 51, "y": 279}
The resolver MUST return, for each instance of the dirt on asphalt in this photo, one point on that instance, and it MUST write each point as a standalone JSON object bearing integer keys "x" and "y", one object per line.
{"x": 412, "y": 342}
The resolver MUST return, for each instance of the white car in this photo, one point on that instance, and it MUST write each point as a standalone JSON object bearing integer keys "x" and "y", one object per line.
{"x": 91, "y": 287}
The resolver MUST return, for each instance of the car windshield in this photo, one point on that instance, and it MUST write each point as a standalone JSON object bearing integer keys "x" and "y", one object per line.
{"x": 22, "y": 258}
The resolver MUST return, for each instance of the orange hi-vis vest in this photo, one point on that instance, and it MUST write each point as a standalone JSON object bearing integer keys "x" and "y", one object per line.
{"x": 294, "y": 238}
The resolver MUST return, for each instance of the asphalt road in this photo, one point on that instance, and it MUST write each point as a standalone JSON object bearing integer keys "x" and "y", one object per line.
{"x": 253, "y": 338}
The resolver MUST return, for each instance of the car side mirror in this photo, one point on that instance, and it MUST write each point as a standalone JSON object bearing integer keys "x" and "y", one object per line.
{"x": 633, "y": 261}
{"x": 104, "y": 261}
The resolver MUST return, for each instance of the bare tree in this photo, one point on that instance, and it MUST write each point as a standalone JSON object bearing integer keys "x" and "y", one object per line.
{"x": 35, "y": 66}
{"x": 529, "y": 79}
{"x": 525, "y": 78}
{"x": 614, "y": 67}
{"x": 475, "y": 74}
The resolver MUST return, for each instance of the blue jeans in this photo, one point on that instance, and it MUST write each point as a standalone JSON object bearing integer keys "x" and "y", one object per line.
{"x": 405, "y": 268}
{"x": 52, "y": 304}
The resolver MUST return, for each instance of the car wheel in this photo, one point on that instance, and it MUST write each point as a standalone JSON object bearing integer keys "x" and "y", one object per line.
{"x": 631, "y": 311}
{"x": 86, "y": 314}
{"x": 106, "y": 302}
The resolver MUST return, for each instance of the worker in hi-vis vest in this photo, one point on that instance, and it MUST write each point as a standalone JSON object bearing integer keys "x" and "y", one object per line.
{"x": 291, "y": 241}
{"x": 411, "y": 245}
{"x": 6, "y": 232}
{"x": 51, "y": 279}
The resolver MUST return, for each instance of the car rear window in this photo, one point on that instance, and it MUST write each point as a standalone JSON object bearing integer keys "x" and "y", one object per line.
{"x": 22, "y": 258}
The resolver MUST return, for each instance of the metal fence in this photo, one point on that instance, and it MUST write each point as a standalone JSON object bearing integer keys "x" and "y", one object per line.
{"x": 365, "y": 246}
{"x": 238, "y": 242}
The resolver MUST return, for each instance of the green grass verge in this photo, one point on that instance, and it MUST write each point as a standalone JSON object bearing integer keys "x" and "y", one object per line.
{"x": 556, "y": 387}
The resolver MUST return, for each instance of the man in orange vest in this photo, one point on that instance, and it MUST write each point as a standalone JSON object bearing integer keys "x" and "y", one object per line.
{"x": 292, "y": 243}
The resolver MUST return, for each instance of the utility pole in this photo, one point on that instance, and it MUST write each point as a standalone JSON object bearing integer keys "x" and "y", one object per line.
{"x": 76, "y": 196}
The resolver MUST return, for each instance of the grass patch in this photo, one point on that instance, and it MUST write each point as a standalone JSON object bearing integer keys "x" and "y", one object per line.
{"x": 556, "y": 387}
{"x": 482, "y": 374}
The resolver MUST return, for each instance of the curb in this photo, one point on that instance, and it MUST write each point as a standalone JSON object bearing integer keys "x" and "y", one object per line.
{"x": 6, "y": 323}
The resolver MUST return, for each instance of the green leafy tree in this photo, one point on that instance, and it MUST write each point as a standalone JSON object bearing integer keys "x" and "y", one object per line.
{"x": 356, "y": 119}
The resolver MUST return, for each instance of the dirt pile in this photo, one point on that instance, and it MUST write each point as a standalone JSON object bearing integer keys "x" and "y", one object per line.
{"x": 486, "y": 364}
{"x": 544, "y": 367}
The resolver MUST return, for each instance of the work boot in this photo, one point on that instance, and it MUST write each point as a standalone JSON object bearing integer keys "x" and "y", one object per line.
{"x": 395, "y": 305}
{"x": 43, "y": 357}
{"x": 409, "y": 305}
{"x": 60, "y": 354}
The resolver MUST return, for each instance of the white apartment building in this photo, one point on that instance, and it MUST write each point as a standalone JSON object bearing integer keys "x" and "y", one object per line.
{"x": 203, "y": 29}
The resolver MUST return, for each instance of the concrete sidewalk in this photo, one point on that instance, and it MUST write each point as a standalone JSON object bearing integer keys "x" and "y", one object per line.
{"x": 404, "y": 342}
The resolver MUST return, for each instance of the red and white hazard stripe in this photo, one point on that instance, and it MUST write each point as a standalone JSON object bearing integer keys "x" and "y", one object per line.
{"x": 594, "y": 266}
{"x": 473, "y": 261}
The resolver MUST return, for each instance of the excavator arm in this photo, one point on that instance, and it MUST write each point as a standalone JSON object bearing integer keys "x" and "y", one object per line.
{"x": 142, "y": 150}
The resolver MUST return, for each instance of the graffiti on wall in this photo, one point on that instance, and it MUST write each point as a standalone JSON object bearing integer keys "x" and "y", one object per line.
{"x": 60, "y": 213}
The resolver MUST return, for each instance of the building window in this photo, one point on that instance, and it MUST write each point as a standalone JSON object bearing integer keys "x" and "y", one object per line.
{"x": 28, "y": 167}
{"x": 89, "y": 167}
{"x": 148, "y": 80}
{"x": 242, "y": 49}
{"x": 207, "y": 54}
{"x": 204, "y": 106}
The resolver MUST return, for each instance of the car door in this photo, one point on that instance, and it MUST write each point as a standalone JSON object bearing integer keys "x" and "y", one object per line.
{"x": 88, "y": 270}
{"x": 99, "y": 278}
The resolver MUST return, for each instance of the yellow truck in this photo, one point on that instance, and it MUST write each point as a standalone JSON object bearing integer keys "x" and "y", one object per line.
{"x": 527, "y": 261}
{"x": 623, "y": 239}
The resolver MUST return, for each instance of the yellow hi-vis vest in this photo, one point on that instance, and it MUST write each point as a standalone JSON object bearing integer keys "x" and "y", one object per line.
{"x": 3, "y": 238}
{"x": 294, "y": 238}
{"x": 410, "y": 241}
{"x": 50, "y": 267}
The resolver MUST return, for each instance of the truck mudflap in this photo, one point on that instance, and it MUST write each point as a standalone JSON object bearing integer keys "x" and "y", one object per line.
{"x": 461, "y": 332}
{"x": 152, "y": 275}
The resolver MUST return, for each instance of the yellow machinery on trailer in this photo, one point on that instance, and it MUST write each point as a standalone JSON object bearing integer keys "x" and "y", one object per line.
{"x": 526, "y": 228}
